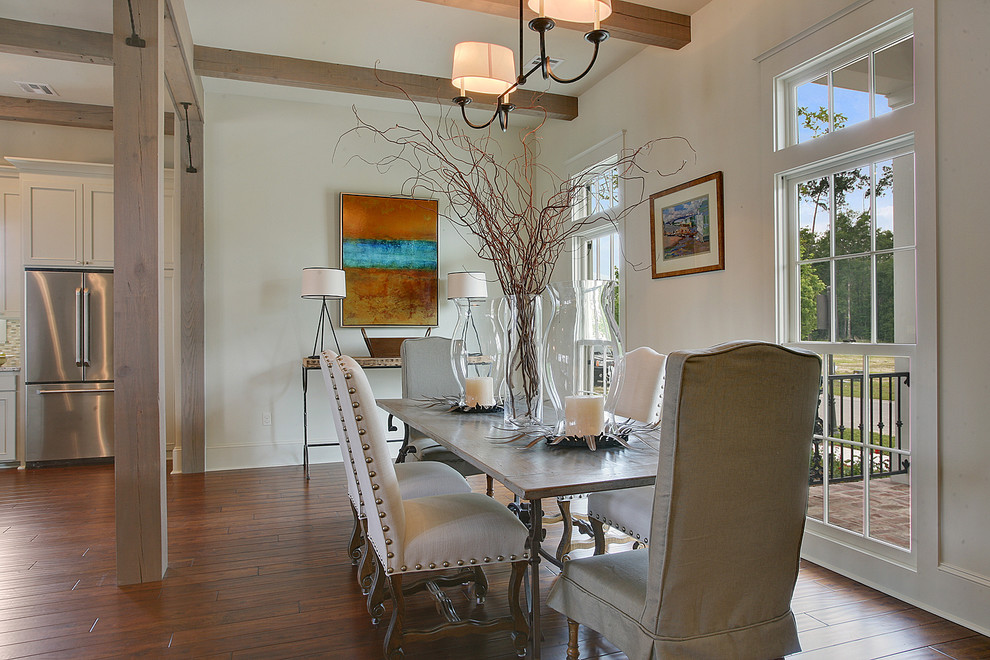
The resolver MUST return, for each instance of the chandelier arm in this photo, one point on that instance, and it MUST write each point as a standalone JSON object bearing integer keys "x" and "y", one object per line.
{"x": 463, "y": 104}
{"x": 594, "y": 58}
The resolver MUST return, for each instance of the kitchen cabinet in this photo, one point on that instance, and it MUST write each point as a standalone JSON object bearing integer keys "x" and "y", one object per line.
{"x": 10, "y": 243}
{"x": 8, "y": 415}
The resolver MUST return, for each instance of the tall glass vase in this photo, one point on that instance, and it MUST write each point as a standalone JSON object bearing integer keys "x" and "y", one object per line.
{"x": 583, "y": 356}
{"x": 476, "y": 354}
{"x": 521, "y": 318}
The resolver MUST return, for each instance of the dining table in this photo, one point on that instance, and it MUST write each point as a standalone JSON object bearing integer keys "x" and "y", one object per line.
{"x": 531, "y": 473}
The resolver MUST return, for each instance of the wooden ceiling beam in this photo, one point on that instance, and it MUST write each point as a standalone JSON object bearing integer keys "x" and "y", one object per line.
{"x": 55, "y": 42}
{"x": 629, "y": 21}
{"x": 60, "y": 113}
{"x": 327, "y": 76}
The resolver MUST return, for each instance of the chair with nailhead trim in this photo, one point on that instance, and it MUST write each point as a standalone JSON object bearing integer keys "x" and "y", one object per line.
{"x": 414, "y": 479}
{"x": 728, "y": 515}
{"x": 422, "y": 536}
{"x": 630, "y": 510}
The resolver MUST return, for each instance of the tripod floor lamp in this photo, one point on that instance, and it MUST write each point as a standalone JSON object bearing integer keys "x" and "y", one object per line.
{"x": 323, "y": 284}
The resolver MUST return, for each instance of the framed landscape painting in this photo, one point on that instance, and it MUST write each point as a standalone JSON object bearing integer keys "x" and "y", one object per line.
{"x": 686, "y": 228}
{"x": 389, "y": 252}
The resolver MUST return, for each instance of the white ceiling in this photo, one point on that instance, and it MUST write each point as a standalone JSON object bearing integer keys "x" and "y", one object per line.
{"x": 401, "y": 35}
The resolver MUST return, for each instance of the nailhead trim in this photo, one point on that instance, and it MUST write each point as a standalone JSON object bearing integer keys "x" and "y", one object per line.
{"x": 419, "y": 567}
{"x": 433, "y": 565}
{"x": 446, "y": 564}
{"x": 389, "y": 555}
{"x": 402, "y": 568}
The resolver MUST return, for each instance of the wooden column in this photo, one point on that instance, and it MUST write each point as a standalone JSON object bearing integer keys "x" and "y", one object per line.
{"x": 139, "y": 438}
{"x": 191, "y": 300}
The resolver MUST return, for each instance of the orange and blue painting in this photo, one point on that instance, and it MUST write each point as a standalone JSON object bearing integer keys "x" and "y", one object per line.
{"x": 389, "y": 252}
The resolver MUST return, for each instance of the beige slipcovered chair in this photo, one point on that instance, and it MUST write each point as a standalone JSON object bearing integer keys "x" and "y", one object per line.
{"x": 414, "y": 480}
{"x": 419, "y": 537}
{"x": 728, "y": 515}
{"x": 639, "y": 399}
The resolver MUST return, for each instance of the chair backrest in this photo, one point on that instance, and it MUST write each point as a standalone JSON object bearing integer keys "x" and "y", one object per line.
{"x": 732, "y": 486}
{"x": 337, "y": 413}
{"x": 641, "y": 385}
{"x": 372, "y": 462}
{"x": 426, "y": 368}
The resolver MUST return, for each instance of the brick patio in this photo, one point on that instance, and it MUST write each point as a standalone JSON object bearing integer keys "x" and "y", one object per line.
{"x": 890, "y": 508}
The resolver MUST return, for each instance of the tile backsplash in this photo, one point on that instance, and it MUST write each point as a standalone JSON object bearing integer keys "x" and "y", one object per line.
{"x": 11, "y": 344}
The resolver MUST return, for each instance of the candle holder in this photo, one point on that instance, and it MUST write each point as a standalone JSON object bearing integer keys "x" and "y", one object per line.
{"x": 476, "y": 355}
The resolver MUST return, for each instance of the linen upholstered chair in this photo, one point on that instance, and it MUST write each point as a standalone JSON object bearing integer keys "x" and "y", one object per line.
{"x": 728, "y": 515}
{"x": 639, "y": 399}
{"x": 427, "y": 372}
{"x": 414, "y": 480}
{"x": 418, "y": 537}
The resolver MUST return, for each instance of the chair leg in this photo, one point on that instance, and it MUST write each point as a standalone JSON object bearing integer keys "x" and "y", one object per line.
{"x": 565, "y": 536}
{"x": 404, "y": 449}
{"x": 366, "y": 566}
{"x": 393, "y": 637}
{"x": 357, "y": 538}
{"x": 599, "y": 531}
{"x": 520, "y": 624}
{"x": 376, "y": 594}
{"x": 490, "y": 486}
{"x": 480, "y": 585}
{"x": 572, "y": 640}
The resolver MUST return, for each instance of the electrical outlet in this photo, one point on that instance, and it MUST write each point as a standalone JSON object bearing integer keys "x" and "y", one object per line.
{"x": 266, "y": 419}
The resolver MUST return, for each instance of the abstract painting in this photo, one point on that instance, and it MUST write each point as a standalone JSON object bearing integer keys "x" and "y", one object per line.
{"x": 686, "y": 228}
{"x": 389, "y": 252}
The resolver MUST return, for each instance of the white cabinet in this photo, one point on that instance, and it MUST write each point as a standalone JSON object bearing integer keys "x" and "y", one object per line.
{"x": 8, "y": 415}
{"x": 10, "y": 242}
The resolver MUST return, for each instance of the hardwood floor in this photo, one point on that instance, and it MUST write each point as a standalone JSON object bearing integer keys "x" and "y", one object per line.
{"x": 257, "y": 570}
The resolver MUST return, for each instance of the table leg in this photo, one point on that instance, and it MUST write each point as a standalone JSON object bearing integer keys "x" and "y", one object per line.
{"x": 305, "y": 386}
{"x": 536, "y": 536}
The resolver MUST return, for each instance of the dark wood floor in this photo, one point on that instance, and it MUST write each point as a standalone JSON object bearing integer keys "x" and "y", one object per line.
{"x": 257, "y": 570}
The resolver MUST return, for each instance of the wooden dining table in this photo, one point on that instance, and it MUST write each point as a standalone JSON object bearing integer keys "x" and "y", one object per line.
{"x": 532, "y": 474}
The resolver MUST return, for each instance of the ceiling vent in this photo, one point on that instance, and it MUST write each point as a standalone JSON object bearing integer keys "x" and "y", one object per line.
{"x": 44, "y": 89}
{"x": 554, "y": 61}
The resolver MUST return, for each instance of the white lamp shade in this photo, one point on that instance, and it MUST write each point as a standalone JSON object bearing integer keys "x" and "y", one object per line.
{"x": 466, "y": 285}
{"x": 323, "y": 282}
{"x": 573, "y": 11}
{"x": 483, "y": 68}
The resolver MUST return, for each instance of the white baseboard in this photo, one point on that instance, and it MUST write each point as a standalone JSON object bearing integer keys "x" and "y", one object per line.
{"x": 239, "y": 457}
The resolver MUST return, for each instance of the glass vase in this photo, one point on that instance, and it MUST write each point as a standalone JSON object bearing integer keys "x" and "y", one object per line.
{"x": 476, "y": 354}
{"x": 583, "y": 357}
{"x": 521, "y": 318}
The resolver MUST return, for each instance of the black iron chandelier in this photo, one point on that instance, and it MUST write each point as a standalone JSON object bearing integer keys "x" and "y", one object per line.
{"x": 486, "y": 68}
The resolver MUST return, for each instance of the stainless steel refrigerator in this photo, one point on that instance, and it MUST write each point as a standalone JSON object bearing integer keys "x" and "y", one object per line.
{"x": 68, "y": 364}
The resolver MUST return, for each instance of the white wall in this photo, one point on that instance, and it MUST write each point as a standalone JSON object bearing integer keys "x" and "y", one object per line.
{"x": 272, "y": 192}
{"x": 710, "y": 92}
{"x": 84, "y": 145}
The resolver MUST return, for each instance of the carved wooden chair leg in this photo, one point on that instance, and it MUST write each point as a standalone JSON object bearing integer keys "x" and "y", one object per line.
{"x": 599, "y": 531}
{"x": 404, "y": 449}
{"x": 376, "y": 594}
{"x": 490, "y": 486}
{"x": 357, "y": 538}
{"x": 366, "y": 564}
{"x": 565, "y": 536}
{"x": 480, "y": 585}
{"x": 393, "y": 637}
{"x": 572, "y": 640}
{"x": 520, "y": 623}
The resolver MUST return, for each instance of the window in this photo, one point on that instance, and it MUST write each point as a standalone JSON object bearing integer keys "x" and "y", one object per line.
{"x": 848, "y": 278}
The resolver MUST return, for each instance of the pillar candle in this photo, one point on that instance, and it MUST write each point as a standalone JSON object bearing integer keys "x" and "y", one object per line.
{"x": 479, "y": 391}
{"x": 584, "y": 414}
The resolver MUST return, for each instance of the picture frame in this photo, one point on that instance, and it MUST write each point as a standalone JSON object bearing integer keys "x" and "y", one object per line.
{"x": 687, "y": 228}
{"x": 389, "y": 251}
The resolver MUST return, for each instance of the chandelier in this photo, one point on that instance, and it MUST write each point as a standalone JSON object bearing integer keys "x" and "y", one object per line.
{"x": 485, "y": 68}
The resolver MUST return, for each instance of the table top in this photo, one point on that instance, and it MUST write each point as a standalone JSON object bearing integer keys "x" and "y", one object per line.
{"x": 538, "y": 472}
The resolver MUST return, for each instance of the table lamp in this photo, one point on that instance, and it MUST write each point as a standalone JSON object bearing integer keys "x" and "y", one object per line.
{"x": 324, "y": 284}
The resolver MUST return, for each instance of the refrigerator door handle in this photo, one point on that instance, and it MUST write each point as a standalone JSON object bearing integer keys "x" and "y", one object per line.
{"x": 78, "y": 329}
{"x": 104, "y": 391}
{"x": 85, "y": 328}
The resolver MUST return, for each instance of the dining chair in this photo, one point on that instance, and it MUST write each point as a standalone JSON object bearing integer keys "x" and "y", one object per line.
{"x": 414, "y": 480}
{"x": 427, "y": 373}
{"x": 728, "y": 515}
{"x": 638, "y": 399}
{"x": 419, "y": 537}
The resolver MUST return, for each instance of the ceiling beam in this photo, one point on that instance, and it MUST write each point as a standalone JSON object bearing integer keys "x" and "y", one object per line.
{"x": 629, "y": 21}
{"x": 60, "y": 113}
{"x": 327, "y": 76}
{"x": 54, "y": 42}
{"x": 181, "y": 80}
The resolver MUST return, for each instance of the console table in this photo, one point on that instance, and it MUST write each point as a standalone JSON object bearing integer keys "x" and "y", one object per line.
{"x": 311, "y": 363}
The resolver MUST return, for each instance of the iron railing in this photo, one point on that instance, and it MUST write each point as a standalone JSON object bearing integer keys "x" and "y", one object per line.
{"x": 873, "y": 416}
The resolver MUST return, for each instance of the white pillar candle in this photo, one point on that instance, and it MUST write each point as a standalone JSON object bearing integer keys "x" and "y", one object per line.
{"x": 584, "y": 414}
{"x": 479, "y": 391}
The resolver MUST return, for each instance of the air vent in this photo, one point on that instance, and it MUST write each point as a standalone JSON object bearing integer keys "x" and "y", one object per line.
{"x": 44, "y": 89}
{"x": 554, "y": 61}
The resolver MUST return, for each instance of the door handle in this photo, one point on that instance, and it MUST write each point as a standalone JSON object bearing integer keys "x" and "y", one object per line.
{"x": 85, "y": 334}
{"x": 78, "y": 328}
{"x": 107, "y": 391}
